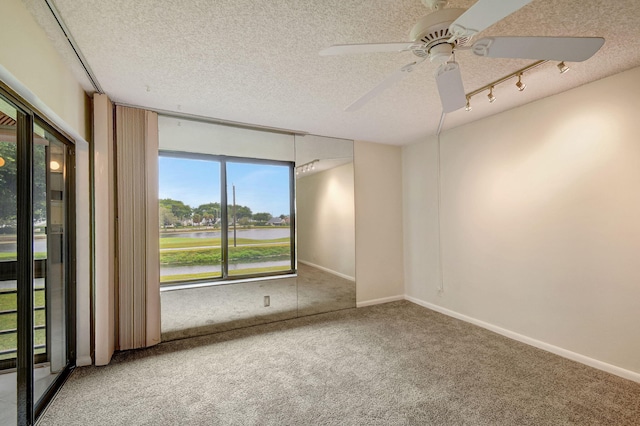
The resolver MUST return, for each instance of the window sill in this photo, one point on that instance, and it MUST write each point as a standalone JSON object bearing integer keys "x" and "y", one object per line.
{"x": 188, "y": 285}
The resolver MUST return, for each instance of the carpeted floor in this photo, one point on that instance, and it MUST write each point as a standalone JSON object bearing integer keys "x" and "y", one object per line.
{"x": 391, "y": 364}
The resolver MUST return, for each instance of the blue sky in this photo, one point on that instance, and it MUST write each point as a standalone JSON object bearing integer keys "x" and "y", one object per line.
{"x": 263, "y": 188}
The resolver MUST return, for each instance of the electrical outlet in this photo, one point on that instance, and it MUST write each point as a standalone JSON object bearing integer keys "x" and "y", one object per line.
{"x": 267, "y": 301}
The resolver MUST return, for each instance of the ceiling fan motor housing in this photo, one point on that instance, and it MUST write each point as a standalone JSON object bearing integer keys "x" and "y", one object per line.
{"x": 433, "y": 31}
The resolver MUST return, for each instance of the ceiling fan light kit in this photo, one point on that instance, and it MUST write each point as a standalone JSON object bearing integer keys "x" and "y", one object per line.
{"x": 440, "y": 34}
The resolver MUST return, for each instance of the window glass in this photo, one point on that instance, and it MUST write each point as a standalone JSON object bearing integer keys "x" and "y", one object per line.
{"x": 8, "y": 263}
{"x": 194, "y": 228}
{"x": 51, "y": 245}
{"x": 190, "y": 219}
{"x": 259, "y": 218}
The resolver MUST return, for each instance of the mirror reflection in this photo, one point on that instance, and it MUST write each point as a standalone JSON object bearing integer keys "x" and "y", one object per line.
{"x": 230, "y": 255}
{"x": 325, "y": 223}
{"x": 226, "y": 244}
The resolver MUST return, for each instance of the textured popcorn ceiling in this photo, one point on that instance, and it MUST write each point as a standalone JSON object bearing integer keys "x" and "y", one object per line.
{"x": 256, "y": 61}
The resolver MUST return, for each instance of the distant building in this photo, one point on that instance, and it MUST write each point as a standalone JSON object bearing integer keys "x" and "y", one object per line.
{"x": 276, "y": 221}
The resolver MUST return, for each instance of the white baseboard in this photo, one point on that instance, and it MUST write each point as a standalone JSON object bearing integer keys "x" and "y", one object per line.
{"x": 330, "y": 271}
{"x": 609, "y": 368}
{"x": 379, "y": 301}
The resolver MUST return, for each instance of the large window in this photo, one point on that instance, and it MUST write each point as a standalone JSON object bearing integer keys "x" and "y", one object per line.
{"x": 224, "y": 217}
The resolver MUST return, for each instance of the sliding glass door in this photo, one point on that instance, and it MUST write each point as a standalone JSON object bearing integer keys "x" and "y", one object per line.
{"x": 36, "y": 268}
{"x": 224, "y": 217}
{"x": 8, "y": 263}
{"x": 53, "y": 174}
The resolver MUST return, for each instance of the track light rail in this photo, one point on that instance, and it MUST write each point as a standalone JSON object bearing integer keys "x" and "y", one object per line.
{"x": 505, "y": 78}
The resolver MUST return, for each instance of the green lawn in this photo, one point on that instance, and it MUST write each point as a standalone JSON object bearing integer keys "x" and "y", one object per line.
{"x": 12, "y": 256}
{"x": 177, "y": 242}
{"x": 177, "y": 251}
{"x": 8, "y": 321}
{"x": 212, "y": 256}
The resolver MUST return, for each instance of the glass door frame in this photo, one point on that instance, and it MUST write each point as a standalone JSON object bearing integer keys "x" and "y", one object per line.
{"x": 70, "y": 264}
{"x": 29, "y": 409}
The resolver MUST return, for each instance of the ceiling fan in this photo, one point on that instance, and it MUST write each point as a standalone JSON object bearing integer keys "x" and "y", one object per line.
{"x": 437, "y": 36}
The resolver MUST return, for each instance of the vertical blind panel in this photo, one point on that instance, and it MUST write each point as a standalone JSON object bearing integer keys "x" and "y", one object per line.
{"x": 132, "y": 225}
{"x": 153, "y": 231}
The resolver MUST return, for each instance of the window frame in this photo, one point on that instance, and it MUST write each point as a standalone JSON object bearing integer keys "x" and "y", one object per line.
{"x": 225, "y": 278}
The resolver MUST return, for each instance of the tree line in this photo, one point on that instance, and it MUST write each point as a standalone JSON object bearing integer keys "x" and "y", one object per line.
{"x": 175, "y": 213}
{"x": 8, "y": 186}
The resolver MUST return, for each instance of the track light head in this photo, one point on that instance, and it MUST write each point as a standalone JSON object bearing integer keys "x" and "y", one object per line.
{"x": 490, "y": 95}
{"x": 520, "y": 85}
{"x": 468, "y": 106}
{"x": 563, "y": 67}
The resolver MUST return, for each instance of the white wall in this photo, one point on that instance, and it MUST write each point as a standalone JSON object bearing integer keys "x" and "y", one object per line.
{"x": 31, "y": 66}
{"x": 207, "y": 138}
{"x": 27, "y": 54}
{"x": 540, "y": 222}
{"x": 378, "y": 197}
{"x": 325, "y": 220}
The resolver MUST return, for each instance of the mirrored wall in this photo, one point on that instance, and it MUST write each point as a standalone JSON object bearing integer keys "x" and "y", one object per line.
{"x": 231, "y": 204}
{"x": 325, "y": 224}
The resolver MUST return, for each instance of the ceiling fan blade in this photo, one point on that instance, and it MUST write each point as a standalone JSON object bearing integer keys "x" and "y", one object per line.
{"x": 386, "y": 83}
{"x": 450, "y": 87}
{"x": 345, "y": 49}
{"x": 483, "y": 14}
{"x": 571, "y": 49}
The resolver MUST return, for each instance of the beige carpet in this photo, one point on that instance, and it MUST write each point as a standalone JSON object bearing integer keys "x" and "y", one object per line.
{"x": 392, "y": 364}
{"x": 319, "y": 291}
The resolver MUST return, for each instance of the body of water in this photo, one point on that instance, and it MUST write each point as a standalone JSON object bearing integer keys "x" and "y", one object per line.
{"x": 255, "y": 234}
{"x": 39, "y": 246}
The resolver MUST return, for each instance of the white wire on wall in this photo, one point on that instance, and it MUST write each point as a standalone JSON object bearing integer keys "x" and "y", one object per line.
{"x": 440, "y": 268}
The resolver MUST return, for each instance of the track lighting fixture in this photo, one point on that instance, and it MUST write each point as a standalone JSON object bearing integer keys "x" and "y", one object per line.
{"x": 563, "y": 67}
{"x": 306, "y": 167}
{"x": 468, "y": 106}
{"x": 520, "y": 85}
{"x": 490, "y": 95}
